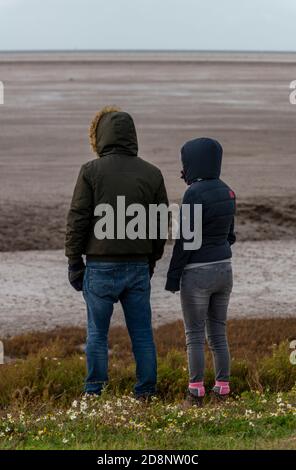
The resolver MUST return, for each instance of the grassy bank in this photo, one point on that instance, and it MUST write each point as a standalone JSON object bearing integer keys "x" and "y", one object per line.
{"x": 41, "y": 404}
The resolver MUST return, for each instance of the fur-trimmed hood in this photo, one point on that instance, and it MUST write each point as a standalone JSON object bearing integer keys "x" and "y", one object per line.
{"x": 113, "y": 131}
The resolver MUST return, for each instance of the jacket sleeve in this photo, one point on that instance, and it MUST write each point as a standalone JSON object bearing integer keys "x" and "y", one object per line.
{"x": 158, "y": 244}
{"x": 231, "y": 236}
{"x": 79, "y": 218}
{"x": 180, "y": 257}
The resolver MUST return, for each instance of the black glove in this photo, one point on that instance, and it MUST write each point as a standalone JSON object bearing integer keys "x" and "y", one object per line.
{"x": 151, "y": 267}
{"x": 76, "y": 274}
{"x": 172, "y": 285}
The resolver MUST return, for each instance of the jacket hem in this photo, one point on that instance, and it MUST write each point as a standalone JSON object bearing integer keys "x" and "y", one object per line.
{"x": 117, "y": 258}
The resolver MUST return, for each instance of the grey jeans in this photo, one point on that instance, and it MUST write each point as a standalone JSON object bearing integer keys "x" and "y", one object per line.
{"x": 205, "y": 293}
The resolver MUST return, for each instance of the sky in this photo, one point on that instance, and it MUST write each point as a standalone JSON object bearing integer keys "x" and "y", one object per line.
{"x": 148, "y": 25}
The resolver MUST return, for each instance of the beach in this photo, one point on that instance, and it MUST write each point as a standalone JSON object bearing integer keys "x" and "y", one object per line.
{"x": 240, "y": 99}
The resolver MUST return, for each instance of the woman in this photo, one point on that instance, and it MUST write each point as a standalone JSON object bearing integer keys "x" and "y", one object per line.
{"x": 204, "y": 275}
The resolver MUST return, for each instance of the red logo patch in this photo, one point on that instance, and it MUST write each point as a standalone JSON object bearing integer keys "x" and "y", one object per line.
{"x": 231, "y": 194}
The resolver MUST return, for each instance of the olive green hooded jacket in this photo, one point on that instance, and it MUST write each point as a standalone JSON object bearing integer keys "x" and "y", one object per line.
{"x": 117, "y": 172}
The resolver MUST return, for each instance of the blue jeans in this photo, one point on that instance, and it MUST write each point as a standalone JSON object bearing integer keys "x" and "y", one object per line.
{"x": 104, "y": 284}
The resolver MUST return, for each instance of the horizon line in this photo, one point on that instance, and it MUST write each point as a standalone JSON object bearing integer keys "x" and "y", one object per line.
{"x": 229, "y": 51}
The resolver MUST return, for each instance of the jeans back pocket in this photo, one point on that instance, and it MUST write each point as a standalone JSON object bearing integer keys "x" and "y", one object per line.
{"x": 100, "y": 281}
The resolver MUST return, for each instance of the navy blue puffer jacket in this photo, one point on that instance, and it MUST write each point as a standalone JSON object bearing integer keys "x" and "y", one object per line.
{"x": 201, "y": 159}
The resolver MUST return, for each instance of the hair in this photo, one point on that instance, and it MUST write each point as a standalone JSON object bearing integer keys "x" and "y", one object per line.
{"x": 95, "y": 122}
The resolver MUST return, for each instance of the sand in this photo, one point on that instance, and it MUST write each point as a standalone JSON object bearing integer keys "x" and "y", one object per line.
{"x": 240, "y": 99}
{"x": 35, "y": 294}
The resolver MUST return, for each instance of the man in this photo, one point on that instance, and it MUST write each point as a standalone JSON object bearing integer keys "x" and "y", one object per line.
{"x": 117, "y": 269}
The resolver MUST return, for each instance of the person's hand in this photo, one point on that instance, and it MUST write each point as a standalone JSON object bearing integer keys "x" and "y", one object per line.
{"x": 172, "y": 291}
{"x": 76, "y": 274}
{"x": 172, "y": 285}
{"x": 151, "y": 268}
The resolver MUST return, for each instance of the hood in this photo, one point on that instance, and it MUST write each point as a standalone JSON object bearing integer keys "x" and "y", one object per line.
{"x": 201, "y": 158}
{"x": 116, "y": 132}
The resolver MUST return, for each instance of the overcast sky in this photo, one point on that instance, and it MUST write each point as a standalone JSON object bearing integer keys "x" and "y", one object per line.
{"x": 148, "y": 24}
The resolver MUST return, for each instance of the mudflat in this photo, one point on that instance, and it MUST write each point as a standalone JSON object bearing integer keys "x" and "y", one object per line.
{"x": 240, "y": 99}
{"x": 36, "y": 295}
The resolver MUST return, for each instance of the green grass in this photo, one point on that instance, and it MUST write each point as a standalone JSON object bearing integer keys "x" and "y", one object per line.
{"x": 253, "y": 421}
{"x": 41, "y": 406}
{"x": 45, "y": 378}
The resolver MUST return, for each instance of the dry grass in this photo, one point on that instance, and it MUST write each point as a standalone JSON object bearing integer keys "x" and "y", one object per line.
{"x": 248, "y": 339}
{"x": 49, "y": 368}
